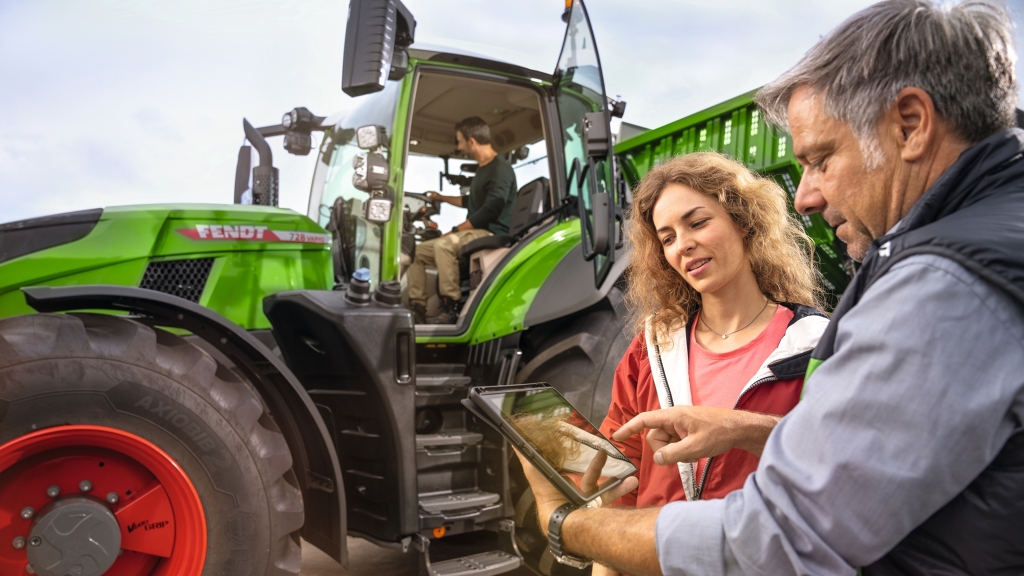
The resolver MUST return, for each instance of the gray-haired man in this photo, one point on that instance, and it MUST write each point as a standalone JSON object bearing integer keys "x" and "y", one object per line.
{"x": 906, "y": 455}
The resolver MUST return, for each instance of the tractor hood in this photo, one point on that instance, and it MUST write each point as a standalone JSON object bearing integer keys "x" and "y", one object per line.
{"x": 217, "y": 255}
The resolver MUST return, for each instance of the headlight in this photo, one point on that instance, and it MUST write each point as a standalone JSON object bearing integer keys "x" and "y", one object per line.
{"x": 370, "y": 171}
{"x": 287, "y": 120}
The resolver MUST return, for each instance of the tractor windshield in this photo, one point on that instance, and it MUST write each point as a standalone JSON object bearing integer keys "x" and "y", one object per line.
{"x": 333, "y": 192}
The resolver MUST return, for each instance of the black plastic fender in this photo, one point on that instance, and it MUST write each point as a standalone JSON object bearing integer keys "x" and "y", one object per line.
{"x": 563, "y": 292}
{"x": 315, "y": 458}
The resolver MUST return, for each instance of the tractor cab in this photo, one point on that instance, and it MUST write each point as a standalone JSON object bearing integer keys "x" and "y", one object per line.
{"x": 553, "y": 128}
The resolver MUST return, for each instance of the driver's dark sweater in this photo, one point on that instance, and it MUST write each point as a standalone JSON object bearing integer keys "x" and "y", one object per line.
{"x": 492, "y": 196}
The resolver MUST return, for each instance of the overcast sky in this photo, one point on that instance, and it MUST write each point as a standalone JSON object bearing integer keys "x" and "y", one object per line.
{"x": 112, "y": 102}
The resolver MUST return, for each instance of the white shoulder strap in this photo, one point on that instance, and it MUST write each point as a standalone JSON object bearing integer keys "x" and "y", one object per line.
{"x": 671, "y": 372}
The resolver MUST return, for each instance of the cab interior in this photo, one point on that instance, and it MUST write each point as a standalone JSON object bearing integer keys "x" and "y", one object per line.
{"x": 514, "y": 114}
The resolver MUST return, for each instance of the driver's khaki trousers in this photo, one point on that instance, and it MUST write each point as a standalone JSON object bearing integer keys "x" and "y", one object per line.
{"x": 443, "y": 254}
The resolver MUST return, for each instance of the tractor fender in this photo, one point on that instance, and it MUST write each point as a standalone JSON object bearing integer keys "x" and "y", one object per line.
{"x": 313, "y": 452}
{"x": 565, "y": 291}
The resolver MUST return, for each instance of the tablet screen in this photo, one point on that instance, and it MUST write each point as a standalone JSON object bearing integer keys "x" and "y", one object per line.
{"x": 562, "y": 437}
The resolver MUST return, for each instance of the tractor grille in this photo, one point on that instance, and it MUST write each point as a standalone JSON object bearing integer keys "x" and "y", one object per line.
{"x": 182, "y": 278}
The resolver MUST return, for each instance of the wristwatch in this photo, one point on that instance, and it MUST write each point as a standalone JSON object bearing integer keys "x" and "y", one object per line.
{"x": 555, "y": 538}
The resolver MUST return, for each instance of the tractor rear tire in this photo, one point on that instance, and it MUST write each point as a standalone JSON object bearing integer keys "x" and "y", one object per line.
{"x": 116, "y": 377}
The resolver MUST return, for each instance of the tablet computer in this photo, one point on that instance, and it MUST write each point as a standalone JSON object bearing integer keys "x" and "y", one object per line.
{"x": 554, "y": 436}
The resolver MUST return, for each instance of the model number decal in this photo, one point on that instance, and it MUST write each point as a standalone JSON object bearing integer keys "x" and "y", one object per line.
{"x": 251, "y": 233}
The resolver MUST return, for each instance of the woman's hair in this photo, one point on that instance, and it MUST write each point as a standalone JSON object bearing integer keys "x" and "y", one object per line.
{"x": 544, "y": 433}
{"x": 781, "y": 254}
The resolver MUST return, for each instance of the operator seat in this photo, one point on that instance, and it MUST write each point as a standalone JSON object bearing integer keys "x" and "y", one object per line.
{"x": 482, "y": 255}
{"x": 477, "y": 259}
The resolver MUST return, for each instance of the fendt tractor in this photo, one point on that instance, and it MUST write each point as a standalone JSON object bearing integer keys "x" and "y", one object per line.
{"x": 189, "y": 389}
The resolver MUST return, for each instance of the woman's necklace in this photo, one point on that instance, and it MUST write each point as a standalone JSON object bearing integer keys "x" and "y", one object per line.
{"x": 724, "y": 336}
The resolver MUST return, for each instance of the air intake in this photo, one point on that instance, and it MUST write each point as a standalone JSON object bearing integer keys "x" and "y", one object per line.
{"x": 182, "y": 278}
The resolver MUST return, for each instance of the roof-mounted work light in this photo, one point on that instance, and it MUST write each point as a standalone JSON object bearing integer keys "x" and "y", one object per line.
{"x": 371, "y": 137}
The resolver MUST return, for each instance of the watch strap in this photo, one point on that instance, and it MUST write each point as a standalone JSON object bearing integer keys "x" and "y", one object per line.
{"x": 555, "y": 537}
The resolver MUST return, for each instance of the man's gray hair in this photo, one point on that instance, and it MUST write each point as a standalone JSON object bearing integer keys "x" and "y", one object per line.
{"x": 963, "y": 56}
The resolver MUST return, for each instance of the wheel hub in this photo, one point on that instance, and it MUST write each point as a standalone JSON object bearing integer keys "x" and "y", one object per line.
{"x": 82, "y": 500}
{"x": 74, "y": 536}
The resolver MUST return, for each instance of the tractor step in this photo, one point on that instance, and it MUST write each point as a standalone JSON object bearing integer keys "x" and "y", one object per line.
{"x": 442, "y": 375}
{"x": 458, "y": 501}
{"x": 505, "y": 559}
{"x": 482, "y": 564}
{"x": 448, "y": 438}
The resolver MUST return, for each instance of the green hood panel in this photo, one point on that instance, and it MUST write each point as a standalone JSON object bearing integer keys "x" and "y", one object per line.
{"x": 256, "y": 251}
{"x": 509, "y": 296}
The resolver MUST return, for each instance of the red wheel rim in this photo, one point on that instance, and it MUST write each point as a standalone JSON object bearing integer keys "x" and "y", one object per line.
{"x": 163, "y": 526}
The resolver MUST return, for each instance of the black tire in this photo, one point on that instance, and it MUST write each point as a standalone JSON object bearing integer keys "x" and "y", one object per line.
{"x": 578, "y": 356}
{"x": 58, "y": 369}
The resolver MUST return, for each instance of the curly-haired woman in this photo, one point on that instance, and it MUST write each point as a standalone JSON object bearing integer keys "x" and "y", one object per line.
{"x": 725, "y": 297}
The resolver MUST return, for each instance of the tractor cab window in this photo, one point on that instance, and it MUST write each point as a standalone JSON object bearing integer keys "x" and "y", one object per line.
{"x": 334, "y": 201}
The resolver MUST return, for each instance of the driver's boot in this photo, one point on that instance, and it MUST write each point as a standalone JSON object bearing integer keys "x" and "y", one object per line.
{"x": 419, "y": 313}
{"x": 448, "y": 314}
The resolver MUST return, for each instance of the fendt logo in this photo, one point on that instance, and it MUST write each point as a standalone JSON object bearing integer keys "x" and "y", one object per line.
{"x": 251, "y": 233}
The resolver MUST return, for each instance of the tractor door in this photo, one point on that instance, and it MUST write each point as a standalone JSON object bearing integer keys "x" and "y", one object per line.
{"x": 585, "y": 120}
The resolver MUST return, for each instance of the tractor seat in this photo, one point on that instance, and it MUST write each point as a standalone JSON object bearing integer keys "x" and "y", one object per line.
{"x": 479, "y": 257}
{"x": 531, "y": 201}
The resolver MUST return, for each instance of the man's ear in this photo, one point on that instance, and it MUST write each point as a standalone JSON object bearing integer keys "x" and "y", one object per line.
{"x": 912, "y": 120}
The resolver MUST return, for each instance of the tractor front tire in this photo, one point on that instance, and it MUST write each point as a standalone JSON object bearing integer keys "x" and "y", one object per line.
{"x": 149, "y": 434}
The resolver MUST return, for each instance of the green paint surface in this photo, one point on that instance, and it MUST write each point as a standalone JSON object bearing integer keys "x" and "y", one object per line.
{"x": 128, "y": 238}
{"x": 509, "y": 296}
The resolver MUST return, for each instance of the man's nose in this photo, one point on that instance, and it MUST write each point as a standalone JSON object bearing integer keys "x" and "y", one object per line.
{"x": 808, "y": 198}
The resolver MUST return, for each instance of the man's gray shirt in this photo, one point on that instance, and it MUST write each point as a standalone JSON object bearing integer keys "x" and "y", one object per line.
{"x": 925, "y": 387}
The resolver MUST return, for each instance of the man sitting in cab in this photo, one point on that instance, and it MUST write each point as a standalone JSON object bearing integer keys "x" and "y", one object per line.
{"x": 490, "y": 201}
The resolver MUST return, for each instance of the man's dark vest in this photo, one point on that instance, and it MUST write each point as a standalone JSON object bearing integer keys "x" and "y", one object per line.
{"x": 974, "y": 215}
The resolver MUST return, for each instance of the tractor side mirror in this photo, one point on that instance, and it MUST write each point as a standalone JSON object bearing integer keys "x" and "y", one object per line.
{"x": 376, "y": 31}
{"x": 596, "y": 134}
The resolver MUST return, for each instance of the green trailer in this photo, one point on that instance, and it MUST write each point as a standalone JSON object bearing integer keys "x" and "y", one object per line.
{"x": 737, "y": 129}
{"x": 209, "y": 383}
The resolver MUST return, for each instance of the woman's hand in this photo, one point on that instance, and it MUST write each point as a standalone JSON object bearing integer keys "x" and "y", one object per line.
{"x": 688, "y": 433}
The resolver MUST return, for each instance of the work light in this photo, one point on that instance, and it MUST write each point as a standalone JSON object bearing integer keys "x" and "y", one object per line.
{"x": 370, "y": 171}
{"x": 370, "y": 137}
{"x": 378, "y": 209}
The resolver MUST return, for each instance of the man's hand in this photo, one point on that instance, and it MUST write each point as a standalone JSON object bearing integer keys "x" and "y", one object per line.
{"x": 436, "y": 197}
{"x": 688, "y": 433}
{"x": 548, "y": 497}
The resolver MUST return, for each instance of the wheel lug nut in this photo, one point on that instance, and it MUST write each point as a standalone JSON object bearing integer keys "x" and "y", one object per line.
{"x": 53, "y": 491}
{"x": 27, "y": 513}
{"x": 35, "y": 541}
{"x": 112, "y": 498}
{"x": 30, "y": 569}
{"x": 18, "y": 543}
{"x": 85, "y": 486}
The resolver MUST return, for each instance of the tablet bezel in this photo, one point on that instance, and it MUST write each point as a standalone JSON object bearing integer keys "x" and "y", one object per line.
{"x": 479, "y": 405}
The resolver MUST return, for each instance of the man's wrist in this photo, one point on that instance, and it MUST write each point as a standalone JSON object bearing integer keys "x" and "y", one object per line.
{"x": 753, "y": 431}
{"x": 555, "y": 541}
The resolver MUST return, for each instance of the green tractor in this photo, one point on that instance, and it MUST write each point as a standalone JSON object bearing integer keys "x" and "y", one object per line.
{"x": 206, "y": 384}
